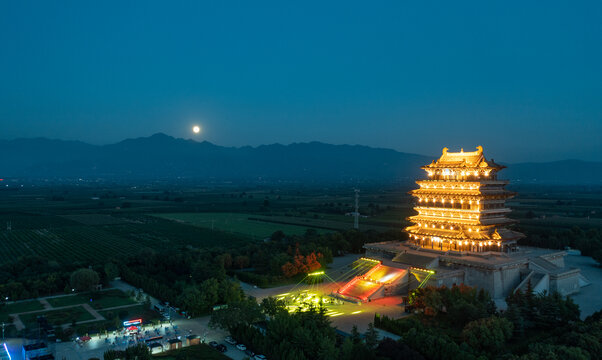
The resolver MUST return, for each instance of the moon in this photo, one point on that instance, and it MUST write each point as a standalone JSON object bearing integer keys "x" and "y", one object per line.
{"x": 196, "y": 129}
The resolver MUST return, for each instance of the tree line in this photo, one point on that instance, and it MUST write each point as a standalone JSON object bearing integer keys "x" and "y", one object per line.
{"x": 463, "y": 323}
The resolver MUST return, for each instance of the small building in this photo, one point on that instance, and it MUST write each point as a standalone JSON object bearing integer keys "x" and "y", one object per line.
{"x": 36, "y": 351}
{"x": 155, "y": 348}
{"x": 43, "y": 357}
{"x": 192, "y": 340}
{"x": 175, "y": 344}
{"x": 4, "y": 354}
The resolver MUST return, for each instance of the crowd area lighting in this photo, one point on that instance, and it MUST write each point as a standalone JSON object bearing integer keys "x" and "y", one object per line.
{"x": 7, "y": 352}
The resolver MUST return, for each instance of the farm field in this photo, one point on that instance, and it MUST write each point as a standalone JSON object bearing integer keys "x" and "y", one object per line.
{"x": 95, "y": 219}
{"x": 91, "y": 244}
{"x": 245, "y": 224}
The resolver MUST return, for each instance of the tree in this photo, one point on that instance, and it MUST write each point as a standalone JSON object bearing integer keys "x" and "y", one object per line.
{"x": 271, "y": 306}
{"x": 278, "y": 236}
{"x": 111, "y": 270}
{"x": 541, "y": 351}
{"x": 356, "y": 338}
{"x": 242, "y": 313}
{"x": 191, "y": 301}
{"x": 138, "y": 352}
{"x": 84, "y": 280}
{"x": 488, "y": 334}
{"x": 241, "y": 261}
{"x": 371, "y": 337}
{"x": 394, "y": 350}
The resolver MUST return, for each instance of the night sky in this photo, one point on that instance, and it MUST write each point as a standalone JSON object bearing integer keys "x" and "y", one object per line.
{"x": 523, "y": 79}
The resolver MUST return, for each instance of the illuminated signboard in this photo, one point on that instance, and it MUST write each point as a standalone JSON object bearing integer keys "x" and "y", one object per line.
{"x": 132, "y": 322}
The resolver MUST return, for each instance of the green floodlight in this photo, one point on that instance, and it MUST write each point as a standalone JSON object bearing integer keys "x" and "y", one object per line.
{"x": 316, "y": 273}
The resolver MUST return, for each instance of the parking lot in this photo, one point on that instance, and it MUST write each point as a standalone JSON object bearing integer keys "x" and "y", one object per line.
{"x": 97, "y": 345}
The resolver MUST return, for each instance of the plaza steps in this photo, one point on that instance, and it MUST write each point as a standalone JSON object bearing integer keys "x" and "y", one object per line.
{"x": 378, "y": 282}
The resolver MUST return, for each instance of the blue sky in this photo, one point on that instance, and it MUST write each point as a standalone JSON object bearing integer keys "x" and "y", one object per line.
{"x": 523, "y": 79}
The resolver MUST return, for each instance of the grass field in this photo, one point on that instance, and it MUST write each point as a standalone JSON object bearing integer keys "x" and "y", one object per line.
{"x": 132, "y": 312}
{"x": 236, "y": 223}
{"x": 69, "y": 300}
{"x": 104, "y": 299}
{"x": 57, "y": 317}
{"x": 19, "y": 307}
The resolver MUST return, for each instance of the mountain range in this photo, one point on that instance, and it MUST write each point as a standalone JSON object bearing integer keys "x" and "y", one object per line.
{"x": 163, "y": 157}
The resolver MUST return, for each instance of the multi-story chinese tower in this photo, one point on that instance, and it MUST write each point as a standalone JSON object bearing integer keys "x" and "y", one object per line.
{"x": 461, "y": 236}
{"x": 461, "y": 206}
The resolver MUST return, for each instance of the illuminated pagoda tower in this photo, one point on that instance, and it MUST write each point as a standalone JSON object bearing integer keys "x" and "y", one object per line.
{"x": 461, "y": 205}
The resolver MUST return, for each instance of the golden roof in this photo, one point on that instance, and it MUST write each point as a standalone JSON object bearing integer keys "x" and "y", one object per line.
{"x": 472, "y": 159}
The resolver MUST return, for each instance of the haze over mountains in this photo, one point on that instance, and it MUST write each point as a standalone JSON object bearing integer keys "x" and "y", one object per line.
{"x": 164, "y": 157}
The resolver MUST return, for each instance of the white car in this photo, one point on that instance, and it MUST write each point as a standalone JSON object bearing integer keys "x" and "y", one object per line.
{"x": 260, "y": 357}
{"x": 241, "y": 347}
{"x": 230, "y": 340}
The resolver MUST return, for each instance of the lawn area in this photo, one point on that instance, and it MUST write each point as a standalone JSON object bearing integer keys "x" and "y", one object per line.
{"x": 235, "y": 223}
{"x": 111, "y": 298}
{"x": 132, "y": 312}
{"x": 69, "y": 300}
{"x": 102, "y": 300}
{"x": 57, "y": 317}
{"x": 201, "y": 351}
{"x": 19, "y": 307}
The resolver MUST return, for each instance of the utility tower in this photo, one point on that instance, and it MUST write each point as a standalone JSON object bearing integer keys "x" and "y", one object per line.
{"x": 9, "y": 226}
{"x": 356, "y": 214}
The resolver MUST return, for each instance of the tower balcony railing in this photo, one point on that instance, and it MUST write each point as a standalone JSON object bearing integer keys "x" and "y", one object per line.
{"x": 467, "y": 247}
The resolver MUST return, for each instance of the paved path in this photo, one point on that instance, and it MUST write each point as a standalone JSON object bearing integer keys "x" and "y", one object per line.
{"x": 46, "y": 304}
{"x": 19, "y": 325}
{"x": 94, "y": 313}
{"x": 17, "y": 322}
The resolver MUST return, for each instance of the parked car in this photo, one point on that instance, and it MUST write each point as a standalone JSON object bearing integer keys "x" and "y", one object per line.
{"x": 213, "y": 344}
{"x": 249, "y": 353}
{"x": 230, "y": 340}
{"x": 241, "y": 347}
{"x": 221, "y": 348}
{"x": 260, "y": 357}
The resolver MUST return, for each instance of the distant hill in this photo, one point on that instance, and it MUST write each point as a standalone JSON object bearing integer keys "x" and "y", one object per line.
{"x": 164, "y": 157}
